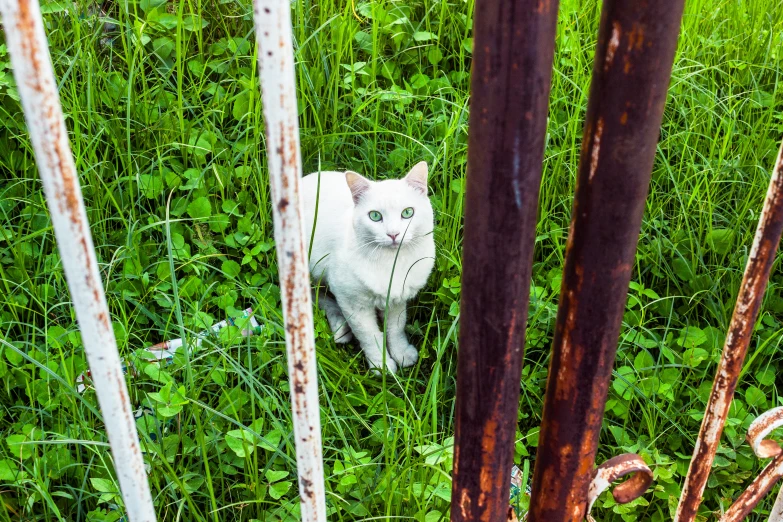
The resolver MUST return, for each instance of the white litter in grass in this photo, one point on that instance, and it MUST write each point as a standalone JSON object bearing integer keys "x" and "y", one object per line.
{"x": 165, "y": 351}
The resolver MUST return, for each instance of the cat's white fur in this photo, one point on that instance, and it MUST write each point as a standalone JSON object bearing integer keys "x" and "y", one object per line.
{"x": 354, "y": 255}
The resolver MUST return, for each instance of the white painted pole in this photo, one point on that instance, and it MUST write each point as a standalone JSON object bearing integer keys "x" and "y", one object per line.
{"x": 37, "y": 88}
{"x": 278, "y": 92}
{"x": 776, "y": 515}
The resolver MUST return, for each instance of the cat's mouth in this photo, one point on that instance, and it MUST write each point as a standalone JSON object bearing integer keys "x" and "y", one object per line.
{"x": 400, "y": 242}
{"x": 391, "y": 244}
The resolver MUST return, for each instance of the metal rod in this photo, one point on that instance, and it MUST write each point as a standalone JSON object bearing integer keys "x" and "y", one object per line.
{"x": 765, "y": 424}
{"x": 34, "y": 75}
{"x": 511, "y": 76}
{"x": 776, "y": 515}
{"x": 764, "y": 448}
{"x": 634, "y": 56}
{"x": 757, "y": 490}
{"x": 278, "y": 90}
{"x": 762, "y": 255}
{"x": 614, "y": 469}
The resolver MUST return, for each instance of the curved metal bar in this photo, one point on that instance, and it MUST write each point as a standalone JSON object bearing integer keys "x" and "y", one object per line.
{"x": 765, "y": 424}
{"x": 765, "y": 481}
{"x": 32, "y": 66}
{"x": 751, "y": 293}
{"x": 757, "y": 490}
{"x": 616, "y": 468}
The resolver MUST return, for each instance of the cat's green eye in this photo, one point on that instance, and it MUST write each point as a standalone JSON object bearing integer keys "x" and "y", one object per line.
{"x": 407, "y": 213}
{"x": 375, "y": 215}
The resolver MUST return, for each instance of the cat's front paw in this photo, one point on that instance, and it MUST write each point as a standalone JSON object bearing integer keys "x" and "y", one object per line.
{"x": 340, "y": 329}
{"x": 407, "y": 356}
{"x": 343, "y": 335}
{"x": 376, "y": 363}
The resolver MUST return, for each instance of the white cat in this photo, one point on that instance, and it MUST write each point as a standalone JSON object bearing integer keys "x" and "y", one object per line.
{"x": 364, "y": 228}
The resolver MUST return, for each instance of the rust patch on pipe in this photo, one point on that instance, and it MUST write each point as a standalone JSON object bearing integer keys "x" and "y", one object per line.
{"x": 58, "y": 156}
{"x": 26, "y": 26}
{"x": 636, "y": 37}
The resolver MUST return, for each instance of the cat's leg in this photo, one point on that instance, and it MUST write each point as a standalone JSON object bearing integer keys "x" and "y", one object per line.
{"x": 404, "y": 353}
{"x": 334, "y": 316}
{"x": 363, "y": 322}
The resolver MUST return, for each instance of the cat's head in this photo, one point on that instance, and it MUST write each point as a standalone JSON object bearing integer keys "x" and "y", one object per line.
{"x": 390, "y": 212}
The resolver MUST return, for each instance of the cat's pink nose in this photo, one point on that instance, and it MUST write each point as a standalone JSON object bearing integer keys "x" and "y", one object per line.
{"x": 393, "y": 236}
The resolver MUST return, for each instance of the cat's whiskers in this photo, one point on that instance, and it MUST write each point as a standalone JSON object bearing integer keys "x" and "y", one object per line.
{"x": 369, "y": 242}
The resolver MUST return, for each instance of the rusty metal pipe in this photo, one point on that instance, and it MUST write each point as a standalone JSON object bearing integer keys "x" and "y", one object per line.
{"x": 762, "y": 255}
{"x": 278, "y": 90}
{"x": 764, "y": 448}
{"x": 631, "y": 72}
{"x": 34, "y": 75}
{"x": 615, "y": 469}
{"x": 511, "y": 75}
{"x": 757, "y": 490}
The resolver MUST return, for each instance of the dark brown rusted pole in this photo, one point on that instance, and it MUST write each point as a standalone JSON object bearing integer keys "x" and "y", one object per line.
{"x": 746, "y": 310}
{"x": 631, "y": 73}
{"x": 512, "y": 69}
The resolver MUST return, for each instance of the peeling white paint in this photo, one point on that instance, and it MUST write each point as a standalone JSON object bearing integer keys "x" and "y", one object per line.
{"x": 614, "y": 42}
{"x": 596, "y": 149}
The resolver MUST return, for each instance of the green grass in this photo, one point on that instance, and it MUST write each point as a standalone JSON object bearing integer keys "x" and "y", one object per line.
{"x": 167, "y": 133}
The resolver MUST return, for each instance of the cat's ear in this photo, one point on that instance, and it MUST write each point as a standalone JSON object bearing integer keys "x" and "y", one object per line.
{"x": 417, "y": 177}
{"x": 358, "y": 184}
